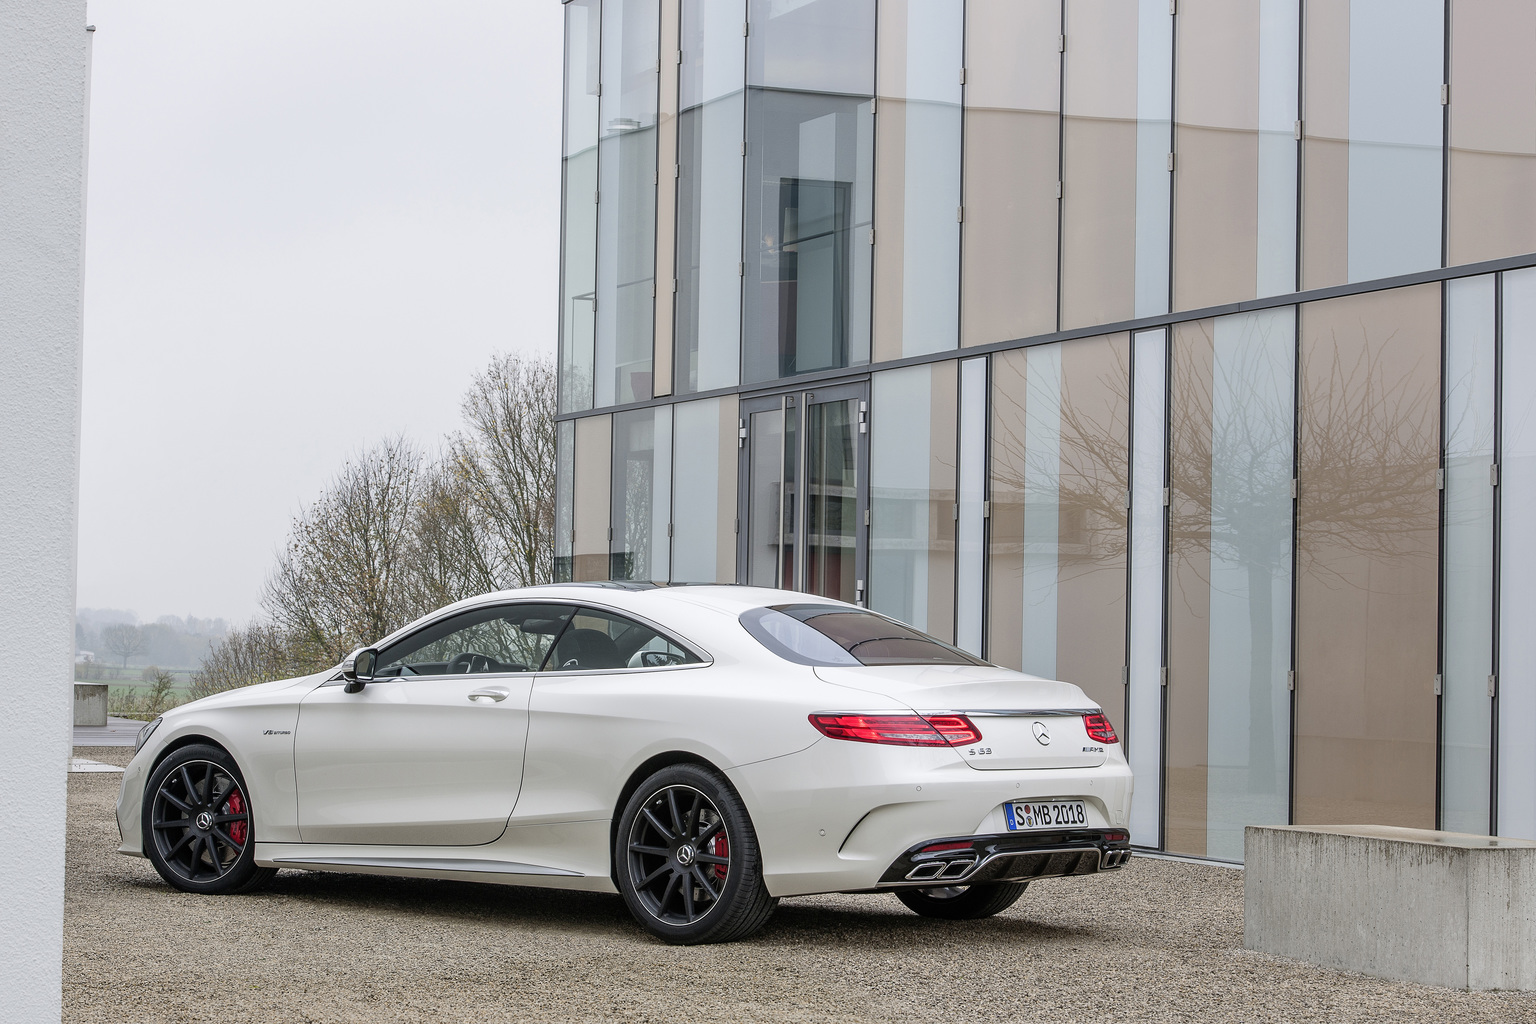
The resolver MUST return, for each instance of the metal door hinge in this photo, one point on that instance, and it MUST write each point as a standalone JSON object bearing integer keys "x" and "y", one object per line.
{"x": 653, "y": 287}
{"x": 871, "y": 236}
{"x": 743, "y": 147}
{"x": 956, "y": 510}
{"x": 962, "y": 76}
{"x": 679, "y": 56}
{"x": 610, "y": 533}
{"x": 866, "y": 517}
{"x": 738, "y": 526}
{"x": 1439, "y": 684}
{"x": 597, "y": 196}
{"x": 1173, "y": 6}
{"x": 1125, "y": 675}
{"x": 960, "y": 215}
{"x": 1061, "y": 44}
{"x": 874, "y": 102}
{"x": 674, "y": 286}
{"x": 1439, "y": 479}
{"x": 746, "y": 28}
{"x": 669, "y": 529}
{"x": 1162, "y": 676}
{"x": 1170, "y": 161}
{"x": 1167, "y": 496}
{"x": 1298, "y": 131}
{"x": 1058, "y": 188}
{"x": 677, "y": 170}
{"x": 1290, "y": 680}
{"x": 1127, "y": 501}
{"x": 1493, "y": 475}
{"x": 741, "y": 270}
{"x": 1493, "y": 686}
{"x": 1295, "y": 488}
{"x": 986, "y": 510}
{"x": 1445, "y": 93}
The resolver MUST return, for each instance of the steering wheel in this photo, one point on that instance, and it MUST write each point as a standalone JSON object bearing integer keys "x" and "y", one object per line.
{"x": 469, "y": 662}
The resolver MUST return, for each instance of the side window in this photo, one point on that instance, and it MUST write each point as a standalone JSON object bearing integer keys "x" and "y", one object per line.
{"x": 500, "y": 638}
{"x": 602, "y": 640}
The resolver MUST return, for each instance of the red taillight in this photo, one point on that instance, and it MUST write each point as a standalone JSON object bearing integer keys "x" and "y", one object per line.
{"x": 965, "y": 844}
{"x": 1099, "y": 728}
{"x": 899, "y": 730}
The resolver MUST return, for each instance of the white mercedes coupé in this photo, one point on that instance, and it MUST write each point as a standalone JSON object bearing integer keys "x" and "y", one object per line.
{"x": 702, "y": 750}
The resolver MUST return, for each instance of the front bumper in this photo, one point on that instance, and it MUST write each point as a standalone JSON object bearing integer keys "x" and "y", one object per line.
{"x": 1008, "y": 857}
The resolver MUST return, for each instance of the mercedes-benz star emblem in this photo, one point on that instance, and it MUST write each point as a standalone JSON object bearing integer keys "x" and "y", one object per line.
{"x": 1042, "y": 734}
{"x": 685, "y": 855}
{"x": 205, "y": 821}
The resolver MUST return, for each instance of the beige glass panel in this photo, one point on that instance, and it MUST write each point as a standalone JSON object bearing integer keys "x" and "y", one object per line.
{"x": 666, "y": 203}
{"x": 1060, "y": 473}
{"x": 913, "y": 418}
{"x": 1099, "y": 158}
{"x": 1189, "y": 592}
{"x": 1325, "y": 148}
{"x": 589, "y": 545}
{"x": 1367, "y": 535}
{"x": 1493, "y": 130}
{"x": 704, "y": 480}
{"x": 1011, "y": 169}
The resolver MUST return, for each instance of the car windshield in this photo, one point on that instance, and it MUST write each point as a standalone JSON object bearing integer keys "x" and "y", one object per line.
{"x": 821, "y": 634}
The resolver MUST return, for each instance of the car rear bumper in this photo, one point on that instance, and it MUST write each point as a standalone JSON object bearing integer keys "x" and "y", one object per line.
{"x": 1009, "y": 857}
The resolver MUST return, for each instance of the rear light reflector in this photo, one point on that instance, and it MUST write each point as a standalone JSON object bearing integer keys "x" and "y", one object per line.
{"x": 1099, "y": 729}
{"x": 942, "y": 847}
{"x": 1116, "y": 837}
{"x": 899, "y": 730}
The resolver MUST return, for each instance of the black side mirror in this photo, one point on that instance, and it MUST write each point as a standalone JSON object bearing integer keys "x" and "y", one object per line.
{"x": 357, "y": 669}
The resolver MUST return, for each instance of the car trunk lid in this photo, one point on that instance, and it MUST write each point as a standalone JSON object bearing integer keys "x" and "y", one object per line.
{"x": 1025, "y": 721}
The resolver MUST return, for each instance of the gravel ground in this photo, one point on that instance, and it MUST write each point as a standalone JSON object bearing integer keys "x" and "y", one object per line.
{"x": 1157, "y": 941}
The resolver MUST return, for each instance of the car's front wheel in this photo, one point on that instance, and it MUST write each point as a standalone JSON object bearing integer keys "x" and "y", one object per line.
{"x": 687, "y": 859}
{"x": 963, "y": 902}
{"x": 198, "y": 823}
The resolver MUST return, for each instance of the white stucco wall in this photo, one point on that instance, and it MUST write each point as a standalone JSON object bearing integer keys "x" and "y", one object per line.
{"x": 44, "y": 80}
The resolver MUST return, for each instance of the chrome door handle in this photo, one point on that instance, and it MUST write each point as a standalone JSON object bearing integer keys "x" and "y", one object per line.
{"x": 490, "y": 693}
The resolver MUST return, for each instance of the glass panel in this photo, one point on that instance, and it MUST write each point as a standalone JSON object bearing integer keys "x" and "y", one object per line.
{"x": 704, "y": 478}
{"x": 825, "y": 46}
{"x": 917, "y": 180}
{"x": 1143, "y": 737}
{"x": 1229, "y": 598}
{"x": 832, "y": 499}
{"x": 642, "y": 489}
{"x": 1367, "y": 547}
{"x": 1466, "y": 710}
{"x": 1012, "y": 166}
{"x": 970, "y": 525}
{"x": 871, "y": 639}
{"x": 1517, "y": 553}
{"x": 770, "y": 503}
{"x": 1493, "y": 130}
{"x": 912, "y": 496}
{"x": 1234, "y": 231}
{"x": 626, "y": 212}
{"x": 565, "y": 497}
{"x": 591, "y": 481}
{"x": 1116, "y": 98}
{"x": 807, "y": 229}
{"x": 1060, "y": 473}
{"x": 710, "y": 130}
{"x": 578, "y": 237}
{"x": 1374, "y": 131}
{"x": 808, "y": 207}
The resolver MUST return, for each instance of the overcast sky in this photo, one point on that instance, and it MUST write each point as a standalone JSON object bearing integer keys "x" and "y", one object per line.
{"x": 309, "y": 224}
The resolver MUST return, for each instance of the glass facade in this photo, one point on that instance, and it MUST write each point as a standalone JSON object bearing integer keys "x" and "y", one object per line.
{"x": 994, "y": 316}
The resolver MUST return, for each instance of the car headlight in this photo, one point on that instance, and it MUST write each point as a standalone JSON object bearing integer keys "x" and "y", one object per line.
{"x": 145, "y": 733}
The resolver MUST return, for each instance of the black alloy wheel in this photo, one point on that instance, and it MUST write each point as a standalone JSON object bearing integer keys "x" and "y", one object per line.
{"x": 963, "y": 902}
{"x": 687, "y": 859}
{"x": 198, "y": 829}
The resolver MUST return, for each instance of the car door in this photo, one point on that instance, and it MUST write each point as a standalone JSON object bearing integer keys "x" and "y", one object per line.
{"x": 430, "y": 750}
{"x": 610, "y": 687}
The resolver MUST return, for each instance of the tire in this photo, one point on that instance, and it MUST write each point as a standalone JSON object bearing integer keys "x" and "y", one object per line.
{"x": 963, "y": 902}
{"x": 198, "y": 826}
{"x": 686, "y": 859}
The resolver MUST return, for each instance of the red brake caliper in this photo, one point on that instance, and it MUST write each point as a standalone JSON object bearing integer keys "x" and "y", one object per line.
{"x": 239, "y": 829}
{"x": 720, "y": 847}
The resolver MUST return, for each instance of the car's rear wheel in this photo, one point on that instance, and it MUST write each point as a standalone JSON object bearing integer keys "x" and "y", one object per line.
{"x": 198, "y": 826}
{"x": 687, "y": 859}
{"x": 963, "y": 902}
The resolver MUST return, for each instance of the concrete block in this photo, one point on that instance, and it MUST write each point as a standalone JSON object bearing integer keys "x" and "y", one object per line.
{"x": 1438, "y": 908}
{"x": 90, "y": 703}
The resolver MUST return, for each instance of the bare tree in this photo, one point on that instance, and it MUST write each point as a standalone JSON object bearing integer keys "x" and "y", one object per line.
{"x": 123, "y": 640}
{"x": 255, "y": 654}
{"x": 343, "y": 579}
{"x": 506, "y": 461}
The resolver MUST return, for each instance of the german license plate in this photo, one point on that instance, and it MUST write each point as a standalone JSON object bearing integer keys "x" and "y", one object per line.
{"x": 1023, "y": 817}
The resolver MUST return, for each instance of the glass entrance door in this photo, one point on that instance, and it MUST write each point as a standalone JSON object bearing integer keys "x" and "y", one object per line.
{"x": 805, "y": 490}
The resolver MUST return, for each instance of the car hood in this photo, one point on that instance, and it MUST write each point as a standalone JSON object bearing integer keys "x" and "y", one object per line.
{"x": 255, "y": 692}
{"x": 960, "y": 687}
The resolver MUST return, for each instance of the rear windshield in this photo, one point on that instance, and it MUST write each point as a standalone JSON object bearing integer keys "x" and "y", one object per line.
{"x": 820, "y": 634}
